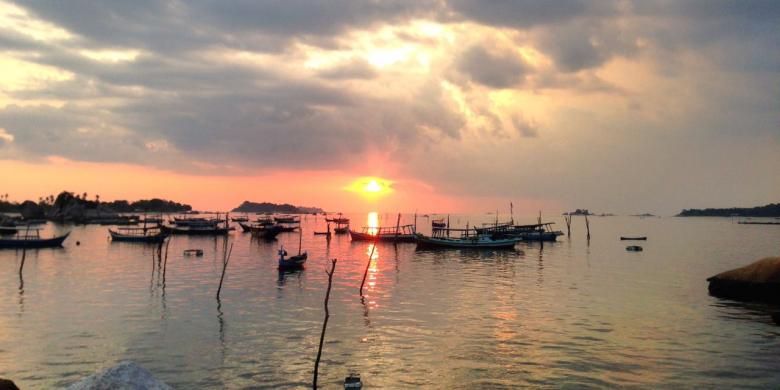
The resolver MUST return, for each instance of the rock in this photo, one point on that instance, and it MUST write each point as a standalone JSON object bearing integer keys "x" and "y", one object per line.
{"x": 759, "y": 281}
{"x": 32, "y": 210}
{"x": 124, "y": 376}
{"x": 7, "y": 384}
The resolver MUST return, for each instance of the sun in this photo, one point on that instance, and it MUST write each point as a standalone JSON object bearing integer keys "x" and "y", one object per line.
{"x": 371, "y": 187}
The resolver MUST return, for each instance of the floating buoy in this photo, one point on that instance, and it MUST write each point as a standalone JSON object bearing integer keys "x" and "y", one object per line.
{"x": 78, "y": 243}
{"x": 634, "y": 248}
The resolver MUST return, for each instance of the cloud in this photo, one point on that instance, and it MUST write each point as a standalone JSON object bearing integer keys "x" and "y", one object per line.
{"x": 354, "y": 69}
{"x": 495, "y": 69}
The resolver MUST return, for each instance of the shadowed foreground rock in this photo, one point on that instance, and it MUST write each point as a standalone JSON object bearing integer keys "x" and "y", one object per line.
{"x": 7, "y": 384}
{"x": 123, "y": 376}
{"x": 759, "y": 281}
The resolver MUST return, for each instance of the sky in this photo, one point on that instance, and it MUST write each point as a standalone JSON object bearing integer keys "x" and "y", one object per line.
{"x": 431, "y": 105}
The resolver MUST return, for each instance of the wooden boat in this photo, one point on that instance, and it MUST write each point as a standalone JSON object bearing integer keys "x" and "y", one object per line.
{"x": 438, "y": 223}
{"x": 287, "y": 219}
{"x": 8, "y": 230}
{"x": 758, "y": 223}
{"x": 405, "y": 233}
{"x": 642, "y": 238}
{"x": 264, "y": 232}
{"x": 31, "y": 239}
{"x": 265, "y": 221}
{"x": 341, "y": 229}
{"x": 340, "y": 220}
{"x": 193, "y": 252}
{"x": 634, "y": 248}
{"x": 239, "y": 219}
{"x": 326, "y": 233}
{"x": 144, "y": 235}
{"x": 533, "y": 232}
{"x": 294, "y": 262}
{"x": 209, "y": 230}
{"x": 441, "y": 239}
{"x": 199, "y": 222}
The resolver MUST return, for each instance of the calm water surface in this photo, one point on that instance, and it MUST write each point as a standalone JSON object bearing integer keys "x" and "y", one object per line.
{"x": 570, "y": 313}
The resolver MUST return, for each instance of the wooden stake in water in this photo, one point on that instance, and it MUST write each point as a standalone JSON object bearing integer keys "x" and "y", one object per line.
{"x": 21, "y": 268}
{"x": 567, "y": 218}
{"x": 587, "y": 226}
{"x": 225, "y": 259}
{"x": 324, "y": 323}
{"x": 368, "y": 265}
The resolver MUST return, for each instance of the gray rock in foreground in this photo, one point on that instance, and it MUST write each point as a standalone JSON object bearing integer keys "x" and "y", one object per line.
{"x": 124, "y": 376}
{"x": 759, "y": 281}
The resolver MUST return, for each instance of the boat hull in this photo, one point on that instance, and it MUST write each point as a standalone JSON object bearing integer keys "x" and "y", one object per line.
{"x": 33, "y": 243}
{"x": 151, "y": 239}
{"x": 358, "y": 236}
{"x": 293, "y": 263}
{"x": 198, "y": 231}
{"x": 431, "y": 242}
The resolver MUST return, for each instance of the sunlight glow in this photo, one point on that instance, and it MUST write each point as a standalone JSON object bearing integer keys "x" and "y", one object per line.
{"x": 371, "y": 187}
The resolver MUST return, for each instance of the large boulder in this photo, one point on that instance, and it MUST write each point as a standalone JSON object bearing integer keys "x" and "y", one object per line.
{"x": 759, "y": 281}
{"x": 124, "y": 376}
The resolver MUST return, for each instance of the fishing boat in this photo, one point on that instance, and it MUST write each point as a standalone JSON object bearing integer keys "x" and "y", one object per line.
{"x": 339, "y": 220}
{"x": 242, "y": 218}
{"x": 139, "y": 234}
{"x": 265, "y": 221}
{"x": 533, "y": 232}
{"x": 325, "y": 233}
{"x": 405, "y": 233}
{"x": 199, "y": 230}
{"x": 438, "y": 223}
{"x": 341, "y": 229}
{"x": 642, "y": 238}
{"x": 31, "y": 239}
{"x": 261, "y": 231}
{"x": 199, "y": 222}
{"x": 287, "y": 219}
{"x": 8, "y": 230}
{"x": 293, "y": 262}
{"x": 634, "y": 248}
{"x": 441, "y": 238}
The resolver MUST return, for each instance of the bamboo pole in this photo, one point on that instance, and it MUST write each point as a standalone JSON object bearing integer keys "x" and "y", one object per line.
{"x": 587, "y": 226}
{"x": 165, "y": 262}
{"x": 21, "y": 268}
{"x": 368, "y": 265}
{"x": 324, "y": 323}
{"x": 567, "y": 218}
{"x": 225, "y": 259}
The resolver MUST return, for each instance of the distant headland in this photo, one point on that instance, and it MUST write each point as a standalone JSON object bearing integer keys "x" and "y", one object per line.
{"x": 265, "y": 207}
{"x": 770, "y": 210}
{"x": 79, "y": 208}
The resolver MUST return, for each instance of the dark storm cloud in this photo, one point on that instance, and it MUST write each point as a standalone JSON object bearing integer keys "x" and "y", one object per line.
{"x": 496, "y": 70}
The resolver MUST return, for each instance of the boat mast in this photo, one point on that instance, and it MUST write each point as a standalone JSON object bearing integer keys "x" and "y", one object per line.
{"x": 300, "y": 239}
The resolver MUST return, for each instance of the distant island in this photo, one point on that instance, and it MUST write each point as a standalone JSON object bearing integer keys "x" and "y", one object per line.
{"x": 78, "y": 208}
{"x": 265, "y": 207}
{"x": 587, "y": 212}
{"x": 770, "y": 210}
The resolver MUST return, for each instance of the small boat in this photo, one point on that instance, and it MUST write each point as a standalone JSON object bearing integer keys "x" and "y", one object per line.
{"x": 293, "y": 262}
{"x": 339, "y": 220}
{"x": 193, "y": 252}
{"x": 326, "y": 233}
{"x": 404, "y": 233}
{"x": 31, "y": 239}
{"x": 144, "y": 235}
{"x": 440, "y": 239}
{"x": 187, "y": 222}
{"x": 194, "y": 230}
{"x": 634, "y": 248}
{"x": 239, "y": 219}
{"x": 8, "y": 230}
{"x": 438, "y": 223}
{"x": 261, "y": 231}
{"x": 533, "y": 232}
{"x": 341, "y": 229}
{"x": 287, "y": 219}
{"x": 640, "y": 238}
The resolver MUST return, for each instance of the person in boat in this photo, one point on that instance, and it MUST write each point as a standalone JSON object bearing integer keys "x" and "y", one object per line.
{"x": 282, "y": 254}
